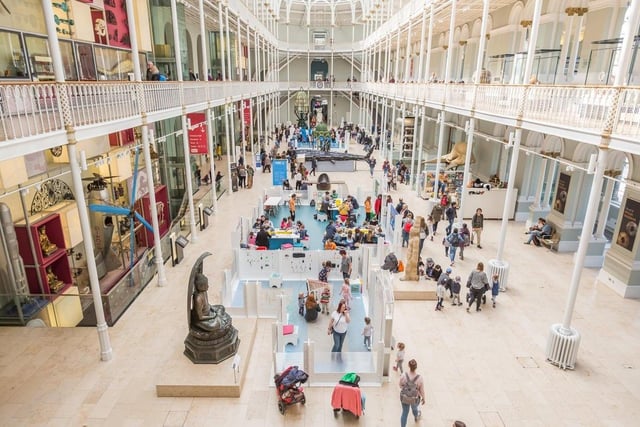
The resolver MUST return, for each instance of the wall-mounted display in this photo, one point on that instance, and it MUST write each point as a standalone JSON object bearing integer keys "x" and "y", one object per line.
{"x": 561, "y": 194}
{"x": 629, "y": 224}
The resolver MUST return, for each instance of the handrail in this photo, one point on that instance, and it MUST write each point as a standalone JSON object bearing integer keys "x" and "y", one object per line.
{"x": 34, "y": 109}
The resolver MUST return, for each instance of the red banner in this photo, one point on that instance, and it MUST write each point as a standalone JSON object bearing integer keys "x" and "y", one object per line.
{"x": 246, "y": 112}
{"x": 197, "y": 133}
{"x": 117, "y": 24}
{"x": 99, "y": 26}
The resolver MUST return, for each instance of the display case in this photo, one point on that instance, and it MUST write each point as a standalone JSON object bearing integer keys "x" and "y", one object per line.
{"x": 164, "y": 216}
{"x": 46, "y": 233}
{"x": 42, "y": 67}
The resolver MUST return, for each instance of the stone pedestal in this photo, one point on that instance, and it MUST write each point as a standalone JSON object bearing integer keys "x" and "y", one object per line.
{"x": 620, "y": 274}
{"x": 202, "y": 347}
{"x": 594, "y": 257}
{"x": 621, "y": 268}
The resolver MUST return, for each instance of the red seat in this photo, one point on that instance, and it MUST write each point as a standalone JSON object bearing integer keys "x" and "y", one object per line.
{"x": 261, "y": 248}
{"x": 287, "y": 329}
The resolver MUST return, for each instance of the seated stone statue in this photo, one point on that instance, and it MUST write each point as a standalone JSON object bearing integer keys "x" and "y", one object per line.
{"x": 45, "y": 244}
{"x": 212, "y": 337}
{"x": 209, "y": 318}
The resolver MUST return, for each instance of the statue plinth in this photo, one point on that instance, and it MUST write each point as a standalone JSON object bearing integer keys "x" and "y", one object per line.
{"x": 200, "y": 350}
{"x": 212, "y": 337}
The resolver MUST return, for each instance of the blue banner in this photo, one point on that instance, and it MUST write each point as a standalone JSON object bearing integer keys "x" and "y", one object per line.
{"x": 280, "y": 168}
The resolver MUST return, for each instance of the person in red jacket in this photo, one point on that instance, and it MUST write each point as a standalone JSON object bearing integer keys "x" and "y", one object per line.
{"x": 377, "y": 206}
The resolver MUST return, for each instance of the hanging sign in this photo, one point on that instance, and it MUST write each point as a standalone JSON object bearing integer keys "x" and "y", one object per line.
{"x": 279, "y": 168}
{"x": 246, "y": 112}
{"x": 197, "y": 133}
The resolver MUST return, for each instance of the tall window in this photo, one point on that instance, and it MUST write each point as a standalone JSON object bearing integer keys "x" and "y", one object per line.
{"x": 619, "y": 185}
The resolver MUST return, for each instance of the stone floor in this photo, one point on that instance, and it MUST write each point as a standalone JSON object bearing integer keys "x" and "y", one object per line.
{"x": 487, "y": 368}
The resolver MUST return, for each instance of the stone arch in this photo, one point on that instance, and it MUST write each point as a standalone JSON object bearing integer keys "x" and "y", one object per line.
{"x": 499, "y": 130}
{"x": 477, "y": 28}
{"x": 527, "y": 12}
{"x": 515, "y": 16}
{"x": 442, "y": 39}
{"x": 534, "y": 140}
{"x": 456, "y": 35}
{"x": 464, "y": 32}
{"x": 552, "y": 146}
{"x": 583, "y": 153}
{"x": 615, "y": 163}
{"x": 507, "y": 132}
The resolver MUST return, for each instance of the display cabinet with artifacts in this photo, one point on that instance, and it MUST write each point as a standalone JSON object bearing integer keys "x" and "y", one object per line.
{"x": 42, "y": 68}
{"x": 42, "y": 247}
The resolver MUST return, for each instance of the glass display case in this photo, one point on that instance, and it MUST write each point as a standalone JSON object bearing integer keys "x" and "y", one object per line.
{"x": 603, "y": 59}
{"x": 545, "y": 65}
{"x": 40, "y": 58}
{"x": 12, "y": 60}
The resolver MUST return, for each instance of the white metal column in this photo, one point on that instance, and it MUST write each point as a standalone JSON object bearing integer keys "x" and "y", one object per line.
{"x": 564, "y": 341}
{"x": 157, "y": 247}
{"x": 106, "y": 352}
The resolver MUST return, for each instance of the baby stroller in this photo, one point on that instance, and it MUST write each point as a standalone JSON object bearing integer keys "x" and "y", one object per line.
{"x": 347, "y": 396}
{"x": 288, "y": 387}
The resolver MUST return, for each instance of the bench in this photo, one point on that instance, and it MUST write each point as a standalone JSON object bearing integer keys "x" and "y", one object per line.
{"x": 550, "y": 241}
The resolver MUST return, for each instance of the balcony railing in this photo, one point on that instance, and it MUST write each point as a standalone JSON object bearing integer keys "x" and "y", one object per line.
{"x": 36, "y": 109}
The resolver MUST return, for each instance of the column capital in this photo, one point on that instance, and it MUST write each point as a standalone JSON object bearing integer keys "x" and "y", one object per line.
{"x": 526, "y": 23}
{"x": 576, "y": 11}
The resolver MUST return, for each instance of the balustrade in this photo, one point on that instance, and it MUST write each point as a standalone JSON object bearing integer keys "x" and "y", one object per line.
{"x": 32, "y": 109}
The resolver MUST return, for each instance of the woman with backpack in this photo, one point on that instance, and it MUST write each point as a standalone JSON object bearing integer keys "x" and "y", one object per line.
{"x": 411, "y": 393}
{"x": 451, "y": 244}
{"x": 407, "y": 223}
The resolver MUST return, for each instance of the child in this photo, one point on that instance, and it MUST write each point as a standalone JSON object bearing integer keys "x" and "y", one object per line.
{"x": 430, "y": 225}
{"x": 428, "y": 271}
{"x": 325, "y": 298}
{"x": 421, "y": 271}
{"x": 345, "y": 293}
{"x": 495, "y": 289}
{"x": 440, "y": 293}
{"x": 301, "y": 304}
{"x": 437, "y": 271}
{"x": 367, "y": 332}
{"x": 455, "y": 288}
{"x": 399, "y": 358}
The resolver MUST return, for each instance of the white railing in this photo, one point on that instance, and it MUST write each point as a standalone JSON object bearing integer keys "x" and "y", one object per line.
{"x": 628, "y": 115}
{"x": 578, "y": 107}
{"x": 34, "y": 109}
{"x": 28, "y": 110}
{"x": 90, "y": 104}
{"x": 161, "y": 96}
{"x": 502, "y": 100}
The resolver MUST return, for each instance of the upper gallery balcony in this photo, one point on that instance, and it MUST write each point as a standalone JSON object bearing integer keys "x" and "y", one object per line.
{"x": 35, "y": 116}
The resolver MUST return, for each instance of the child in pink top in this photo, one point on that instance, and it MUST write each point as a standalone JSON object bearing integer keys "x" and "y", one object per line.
{"x": 345, "y": 292}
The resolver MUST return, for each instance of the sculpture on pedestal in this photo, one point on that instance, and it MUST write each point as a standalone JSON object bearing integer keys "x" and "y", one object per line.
{"x": 55, "y": 284}
{"x": 45, "y": 244}
{"x": 413, "y": 253}
{"x": 212, "y": 337}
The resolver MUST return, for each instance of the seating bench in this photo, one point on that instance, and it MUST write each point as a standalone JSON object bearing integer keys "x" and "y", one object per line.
{"x": 550, "y": 241}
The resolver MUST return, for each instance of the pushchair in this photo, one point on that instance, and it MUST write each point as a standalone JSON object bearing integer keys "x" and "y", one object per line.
{"x": 347, "y": 396}
{"x": 288, "y": 387}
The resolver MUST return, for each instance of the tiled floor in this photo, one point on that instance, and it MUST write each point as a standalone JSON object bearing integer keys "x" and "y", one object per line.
{"x": 485, "y": 368}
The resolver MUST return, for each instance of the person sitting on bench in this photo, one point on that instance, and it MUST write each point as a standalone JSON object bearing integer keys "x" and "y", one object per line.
{"x": 542, "y": 230}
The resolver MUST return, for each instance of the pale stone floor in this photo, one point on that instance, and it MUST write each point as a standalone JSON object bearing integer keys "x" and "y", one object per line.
{"x": 485, "y": 368}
